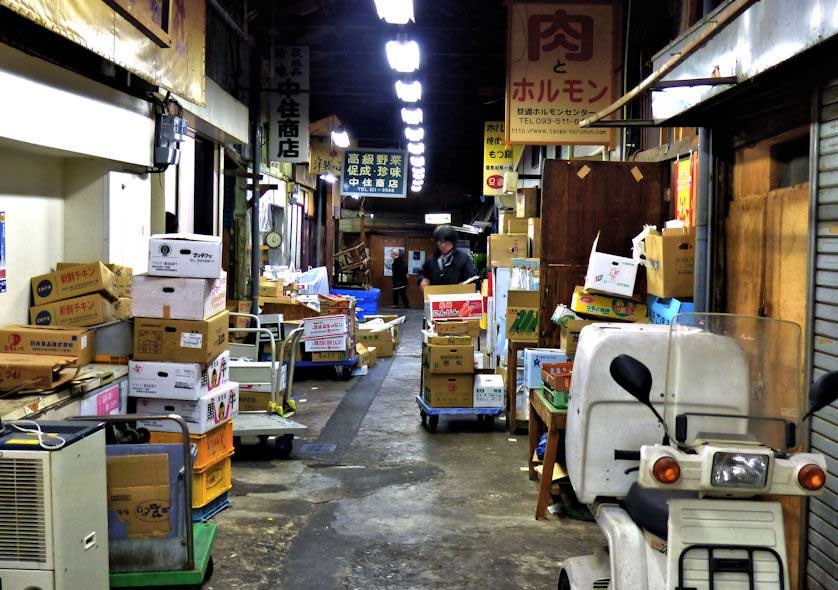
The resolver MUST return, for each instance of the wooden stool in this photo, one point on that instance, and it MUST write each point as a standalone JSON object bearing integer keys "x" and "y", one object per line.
{"x": 544, "y": 416}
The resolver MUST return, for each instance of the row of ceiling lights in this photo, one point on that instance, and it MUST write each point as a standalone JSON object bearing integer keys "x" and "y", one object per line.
{"x": 403, "y": 57}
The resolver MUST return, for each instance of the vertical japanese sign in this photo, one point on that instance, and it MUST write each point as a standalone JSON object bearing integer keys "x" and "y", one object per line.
{"x": 288, "y": 139}
{"x": 325, "y": 157}
{"x": 685, "y": 171}
{"x": 497, "y": 157}
{"x": 374, "y": 173}
{"x": 2, "y": 251}
{"x": 560, "y": 71}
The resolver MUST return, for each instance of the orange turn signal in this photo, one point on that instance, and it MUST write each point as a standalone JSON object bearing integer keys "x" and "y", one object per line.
{"x": 811, "y": 477}
{"x": 666, "y": 470}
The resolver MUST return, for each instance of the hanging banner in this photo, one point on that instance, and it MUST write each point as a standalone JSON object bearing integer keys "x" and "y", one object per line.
{"x": 288, "y": 139}
{"x": 325, "y": 158}
{"x": 497, "y": 157}
{"x": 685, "y": 171}
{"x": 374, "y": 173}
{"x": 561, "y": 70}
{"x": 2, "y": 251}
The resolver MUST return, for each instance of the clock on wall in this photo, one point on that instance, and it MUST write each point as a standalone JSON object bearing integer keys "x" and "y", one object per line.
{"x": 273, "y": 239}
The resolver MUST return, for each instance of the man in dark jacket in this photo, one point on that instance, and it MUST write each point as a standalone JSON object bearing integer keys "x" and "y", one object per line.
{"x": 451, "y": 266}
{"x": 399, "y": 279}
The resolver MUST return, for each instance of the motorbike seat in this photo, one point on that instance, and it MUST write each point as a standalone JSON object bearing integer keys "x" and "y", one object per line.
{"x": 649, "y": 508}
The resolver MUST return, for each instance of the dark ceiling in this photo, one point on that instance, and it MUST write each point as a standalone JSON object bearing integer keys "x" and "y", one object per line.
{"x": 463, "y": 63}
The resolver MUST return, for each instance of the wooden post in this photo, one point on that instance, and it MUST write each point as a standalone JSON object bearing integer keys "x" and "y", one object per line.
{"x": 331, "y": 197}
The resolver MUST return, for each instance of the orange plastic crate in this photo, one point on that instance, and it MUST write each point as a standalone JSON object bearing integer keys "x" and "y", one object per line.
{"x": 211, "y": 446}
{"x": 557, "y": 375}
{"x": 211, "y": 481}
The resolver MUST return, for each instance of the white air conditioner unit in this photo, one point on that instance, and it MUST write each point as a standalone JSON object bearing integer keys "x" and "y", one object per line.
{"x": 53, "y": 510}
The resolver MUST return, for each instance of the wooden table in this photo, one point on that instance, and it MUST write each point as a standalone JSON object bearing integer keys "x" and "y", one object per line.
{"x": 544, "y": 416}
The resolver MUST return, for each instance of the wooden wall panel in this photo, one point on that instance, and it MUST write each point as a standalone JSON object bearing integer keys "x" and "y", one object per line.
{"x": 746, "y": 256}
{"x": 377, "y": 245}
{"x": 557, "y": 280}
{"x": 414, "y": 293}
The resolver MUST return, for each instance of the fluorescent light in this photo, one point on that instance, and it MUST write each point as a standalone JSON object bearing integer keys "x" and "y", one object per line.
{"x": 416, "y": 189}
{"x": 409, "y": 91}
{"x": 414, "y": 133}
{"x": 417, "y": 161}
{"x": 340, "y": 138}
{"x": 418, "y": 168}
{"x": 395, "y": 12}
{"x": 403, "y": 56}
{"x": 330, "y": 178}
{"x": 412, "y": 116}
{"x": 417, "y": 149}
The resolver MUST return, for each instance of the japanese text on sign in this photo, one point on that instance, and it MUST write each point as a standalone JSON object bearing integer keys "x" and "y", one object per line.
{"x": 325, "y": 158}
{"x": 374, "y": 173}
{"x": 497, "y": 157}
{"x": 288, "y": 139}
{"x": 561, "y": 71}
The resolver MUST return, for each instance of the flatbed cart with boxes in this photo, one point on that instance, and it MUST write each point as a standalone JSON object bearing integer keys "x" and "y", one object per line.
{"x": 186, "y": 554}
{"x": 430, "y": 416}
{"x": 273, "y": 420}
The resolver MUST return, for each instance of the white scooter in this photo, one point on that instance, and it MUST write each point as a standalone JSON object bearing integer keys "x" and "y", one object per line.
{"x": 673, "y": 489}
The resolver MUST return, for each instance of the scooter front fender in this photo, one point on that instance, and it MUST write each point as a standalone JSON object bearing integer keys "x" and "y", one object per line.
{"x": 626, "y": 548}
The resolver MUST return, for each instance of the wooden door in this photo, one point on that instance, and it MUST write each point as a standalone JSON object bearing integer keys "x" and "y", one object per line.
{"x": 580, "y": 199}
{"x": 377, "y": 246}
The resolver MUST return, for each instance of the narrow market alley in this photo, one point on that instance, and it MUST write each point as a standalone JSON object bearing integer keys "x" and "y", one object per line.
{"x": 391, "y": 506}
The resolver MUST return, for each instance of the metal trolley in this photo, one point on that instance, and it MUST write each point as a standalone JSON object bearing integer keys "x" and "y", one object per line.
{"x": 264, "y": 424}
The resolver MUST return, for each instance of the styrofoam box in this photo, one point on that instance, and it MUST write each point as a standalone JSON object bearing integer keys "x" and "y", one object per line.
{"x": 610, "y": 274}
{"x": 489, "y": 391}
{"x": 185, "y": 381}
{"x": 328, "y": 325}
{"x": 255, "y": 376}
{"x": 184, "y": 255}
{"x": 534, "y": 358}
{"x": 327, "y": 343}
{"x": 201, "y": 416}
{"x": 178, "y": 298}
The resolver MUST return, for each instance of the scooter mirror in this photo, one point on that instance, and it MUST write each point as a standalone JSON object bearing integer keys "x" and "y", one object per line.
{"x": 633, "y": 376}
{"x": 823, "y": 392}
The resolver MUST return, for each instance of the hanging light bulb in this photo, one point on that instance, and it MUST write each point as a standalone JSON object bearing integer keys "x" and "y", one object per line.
{"x": 414, "y": 133}
{"x": 417, "y": 149}
{"x": 340, "y": 138}
{"x": 417, "y": 161}
{"x": 409, "y": 91}
{"x": 395, "y": 12}
{"x": 403, "y": 56}
{"x": 329, "y": 177}
{"x": 412, "y": 116}
{"x": 416, "y": 189}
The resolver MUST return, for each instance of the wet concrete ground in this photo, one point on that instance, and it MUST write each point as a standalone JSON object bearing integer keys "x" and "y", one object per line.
{"x": 369, "y": 499}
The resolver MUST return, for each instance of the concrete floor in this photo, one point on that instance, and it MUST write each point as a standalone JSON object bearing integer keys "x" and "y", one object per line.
{"x": 381, "y": 503}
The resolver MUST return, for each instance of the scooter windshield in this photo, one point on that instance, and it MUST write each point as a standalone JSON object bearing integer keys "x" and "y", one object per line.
{"x": 733, "y": 379}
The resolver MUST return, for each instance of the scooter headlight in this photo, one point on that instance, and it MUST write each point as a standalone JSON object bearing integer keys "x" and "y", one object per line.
{"x": 739, "y": 470}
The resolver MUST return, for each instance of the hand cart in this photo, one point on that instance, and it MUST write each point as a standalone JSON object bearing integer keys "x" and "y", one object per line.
{"x": 272, "y": 421}
{"x": 430, "y": 416}
{"x": 198, "y": 538}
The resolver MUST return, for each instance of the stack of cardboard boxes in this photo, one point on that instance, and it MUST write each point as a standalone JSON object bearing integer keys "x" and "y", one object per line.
{"x": 181, "y": 362}
{"x": 77, "y": 295}
{"x": 329, "y": 338}
{"x": 519, "y": 231}
{"x": 39, "y": 358}
{"x": 448, "y": 371}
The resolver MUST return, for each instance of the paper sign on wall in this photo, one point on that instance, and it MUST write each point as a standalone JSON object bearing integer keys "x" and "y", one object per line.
{"x": 416, "y": 261}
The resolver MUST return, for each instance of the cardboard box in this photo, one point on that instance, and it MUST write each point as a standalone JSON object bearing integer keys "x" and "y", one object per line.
{"x": 382, "y": 340}
{"x": 201, "y": 415}
{"x": 327, "y": 344}
{"x": 610, "y": 274}
{"x": 534, "y": 235}
{"x": 526, "y": 203}
{"x": 139, "y": 494}
{"x": 254, "y": 401}
{"x": 332, "y": 325}
{"x": 186, "y": 381}
{"x": 123, "y": 285}
{"x": 469, "y": 328}
{"x": 373, "y": 352}
{"x": 449, "y": 358}
{"x": 569, "y": 334}
{"x": 534, "y": 358}
{"x": 481, "y": 360}
{"x": 30, "y": 372}
{"x": 270, "y": 287}
{"x": 466, "y": 306}
{"x": 184, "y": 255}
{"x": 182, "y": 341}
{"x": 331, "y": 357}
{"x": 670, "y": 262}
{"x": 522, "y": 315}
{"x": 79, "y": 343}
{"x": 179, "y": 298}
{"x": 123, "y": 308}
{"x": 504, "y": 247}
{"x": 74, "y": 281}
{"x": 448, "y": 290}
{"x": 604, "y": 306}
{"x": 87, "y": 310}
{"x": 489, "y": 391}
{"x": 429, "y": 337}
{"x": 363, "y": 355}
{"x": 290, "y": 308}
{"x": 448, "y": 391}
{"x": 504, "y": 215}
{"x": 516, "y": 225}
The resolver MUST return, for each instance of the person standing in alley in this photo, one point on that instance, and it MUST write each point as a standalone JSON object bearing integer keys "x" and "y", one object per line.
{"x": 450, "y": 266}
{"x": 399, "y": 279}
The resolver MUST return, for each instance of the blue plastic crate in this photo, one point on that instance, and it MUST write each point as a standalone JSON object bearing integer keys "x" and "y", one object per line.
{"x": 366, "y": 300}
{"x": 663, "y": 310}
{"x": 205, "y": 513}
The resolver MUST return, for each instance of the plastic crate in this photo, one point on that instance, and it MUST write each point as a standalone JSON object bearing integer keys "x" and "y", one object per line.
{"x": 211, "y": 446}
{"x": 205, "y": 513}
{"x": 557, "y": 375}
{"x": 209, "y": 482}
{"x": 557, "y": 398}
